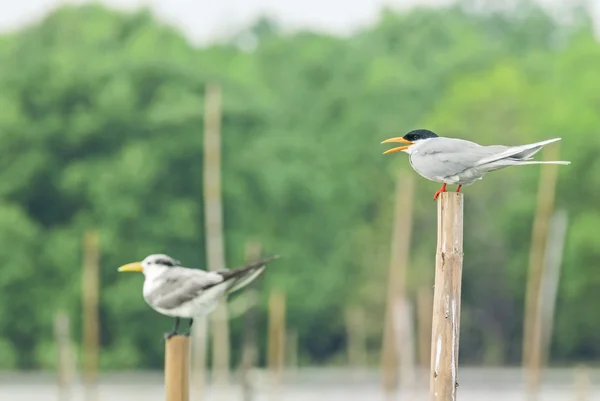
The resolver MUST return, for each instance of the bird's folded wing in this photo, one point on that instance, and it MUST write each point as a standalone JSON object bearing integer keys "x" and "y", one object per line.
{"x": 180, "y": 285}
{"x": 445, "y": 157}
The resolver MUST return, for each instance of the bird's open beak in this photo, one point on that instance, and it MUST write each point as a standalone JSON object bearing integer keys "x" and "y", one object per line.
{"x": 399, "y": 148}
{"x": 132, "y": 267}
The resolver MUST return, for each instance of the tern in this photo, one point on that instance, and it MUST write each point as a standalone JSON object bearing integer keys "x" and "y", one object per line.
{"x": 181, "y": 292}
{"x": 457, "y": 161}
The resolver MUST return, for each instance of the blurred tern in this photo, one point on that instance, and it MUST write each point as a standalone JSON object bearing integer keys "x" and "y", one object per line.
{"x": 457, "y": 161}
{"x": 181, "y": 292}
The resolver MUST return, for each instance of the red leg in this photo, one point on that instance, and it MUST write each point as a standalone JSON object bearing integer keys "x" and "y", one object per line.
{"x": 458, "y": 189}
{"x": 442, "y": 189}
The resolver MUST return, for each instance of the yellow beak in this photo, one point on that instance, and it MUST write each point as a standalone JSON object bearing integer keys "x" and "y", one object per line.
{"x": 132, "y": 267}
{"x": 399, "y": 148}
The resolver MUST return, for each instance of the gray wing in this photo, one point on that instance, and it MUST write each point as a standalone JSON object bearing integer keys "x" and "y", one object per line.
{"x": 445, "y": 157}
{"x": 178, "y": 285}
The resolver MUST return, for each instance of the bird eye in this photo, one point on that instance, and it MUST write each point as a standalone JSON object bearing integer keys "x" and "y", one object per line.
{"x": 164, "y": 262}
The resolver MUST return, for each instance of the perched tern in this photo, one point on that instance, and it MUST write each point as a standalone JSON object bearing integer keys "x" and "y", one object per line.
{"x": 457, "y": 161}
{"x": 181, "y": 292}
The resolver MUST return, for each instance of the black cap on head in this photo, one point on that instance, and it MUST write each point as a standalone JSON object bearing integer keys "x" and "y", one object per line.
{"x": 418, "y": 134}
{"x": 162, "y": 260}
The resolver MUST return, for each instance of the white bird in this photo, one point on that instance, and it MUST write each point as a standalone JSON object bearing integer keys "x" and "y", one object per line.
{"x": 181, "y": 292}
{"x": 457, "y": 161}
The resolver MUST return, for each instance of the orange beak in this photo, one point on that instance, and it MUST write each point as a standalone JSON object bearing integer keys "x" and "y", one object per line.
{"x": 399, "y": 148}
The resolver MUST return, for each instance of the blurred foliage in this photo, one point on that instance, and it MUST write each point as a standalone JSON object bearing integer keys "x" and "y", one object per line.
{"x": 101, "y": 127}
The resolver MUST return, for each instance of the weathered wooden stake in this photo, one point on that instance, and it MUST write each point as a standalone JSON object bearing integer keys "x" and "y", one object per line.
{"x": 394, "y": 346}
{"x": 249, "y": 345}
{"x": 404, "y": 329}
{"x": 65, "y": 363}
{"x": 445, "y": 332}
{"x": 198, "y": 369}
{"x": 549, "y": 290}
{"x": 582, "y": 383}
{"x": 532, "y": 317}
{"x": 291, "y": 350}
{"x": 91, "y": 329}
{"x": 357, "y": 339}
{"x": 213, "y": 215}
{"x": 276, "y": 341}
{"x": 177, "y": 367}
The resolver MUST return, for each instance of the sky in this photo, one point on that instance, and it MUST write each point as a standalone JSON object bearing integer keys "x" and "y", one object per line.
{"x": 205, "y": 20}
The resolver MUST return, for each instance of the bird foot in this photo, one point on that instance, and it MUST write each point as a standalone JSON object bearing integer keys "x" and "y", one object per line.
{"x": 169, "y": 335}
{"x": 439, "y": 191}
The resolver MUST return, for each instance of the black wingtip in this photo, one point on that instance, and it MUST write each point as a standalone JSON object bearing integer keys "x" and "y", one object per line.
{"x": 261, "y": 262}
{"x": 270, "y": 258}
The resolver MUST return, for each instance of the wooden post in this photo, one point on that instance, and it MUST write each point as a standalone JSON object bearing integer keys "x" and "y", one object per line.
{"x": 213, "y": 215}
{"x": 582, "y": 383}
{"x": 532, "y": 316}
{"x": 404, "y": 329}
{"x": 357, "y": 339}
{"x": 90, "y": 284}
{"x": 396, "y": 292}
{"x": 445, "y": 332}
{"x": 291, "y": 353}
{"x": 553, "y": 260}
{"x": 177, "y": 364}
{"x": 65, "y": 361}
{"x": 249, "y": 347}
{"x": 276, "y": 340}
{"x": 198, "y": 368}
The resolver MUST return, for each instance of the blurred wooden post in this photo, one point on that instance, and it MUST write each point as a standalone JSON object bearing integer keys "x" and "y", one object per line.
{"x": 291, "y": 347}
{"x": 424, "y": 308}
{"x": 552, "y": 262}
{"x": 357, "y": 339}
{"x": 532, "y": 317}
{"x": 177, "y": 365}
{"x": 213, "y": 215}
{"x": 90, "y": 284}
{"x": 404, "y": 329}
{"x": 198, "y": 368}
{"x": 65, "y": 364}
{"x": 276, "y": 341}
{"x": 582, "y": 383}
{"x": 249, "y": 347}
{"x": 445, "y": 333}
{"x": 396, "y": 292}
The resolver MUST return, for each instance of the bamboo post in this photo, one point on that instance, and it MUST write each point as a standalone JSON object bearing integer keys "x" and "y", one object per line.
{"x": 291, "y": 353}
{"x": 445, "y": 332}
{"x": 582, "y": 383}
{"x": 357, "y": 339}
{"x": 65, "y": 363}
{"x": 532, "y": 316}
{"x": 553, "y": 260}
{"x": 198, "y": 368}
{"x": 403, "y": 329}
{"x": 177, "y": 364}
{"x": 249, "y": 347}
{"x": 276, "y": 341}
{"x": 90, "y": 284}
{"x": 213, "y": 214}
{"x": 396, "y": 292}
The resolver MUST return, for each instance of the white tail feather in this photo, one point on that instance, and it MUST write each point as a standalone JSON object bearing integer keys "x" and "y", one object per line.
{"x": 541, "y": 162}
{"x": 513, "y": 150}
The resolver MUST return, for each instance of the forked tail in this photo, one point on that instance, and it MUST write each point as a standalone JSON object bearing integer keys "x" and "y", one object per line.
{"x": 522, "y": 162}
{"x": 239, "y": 278}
